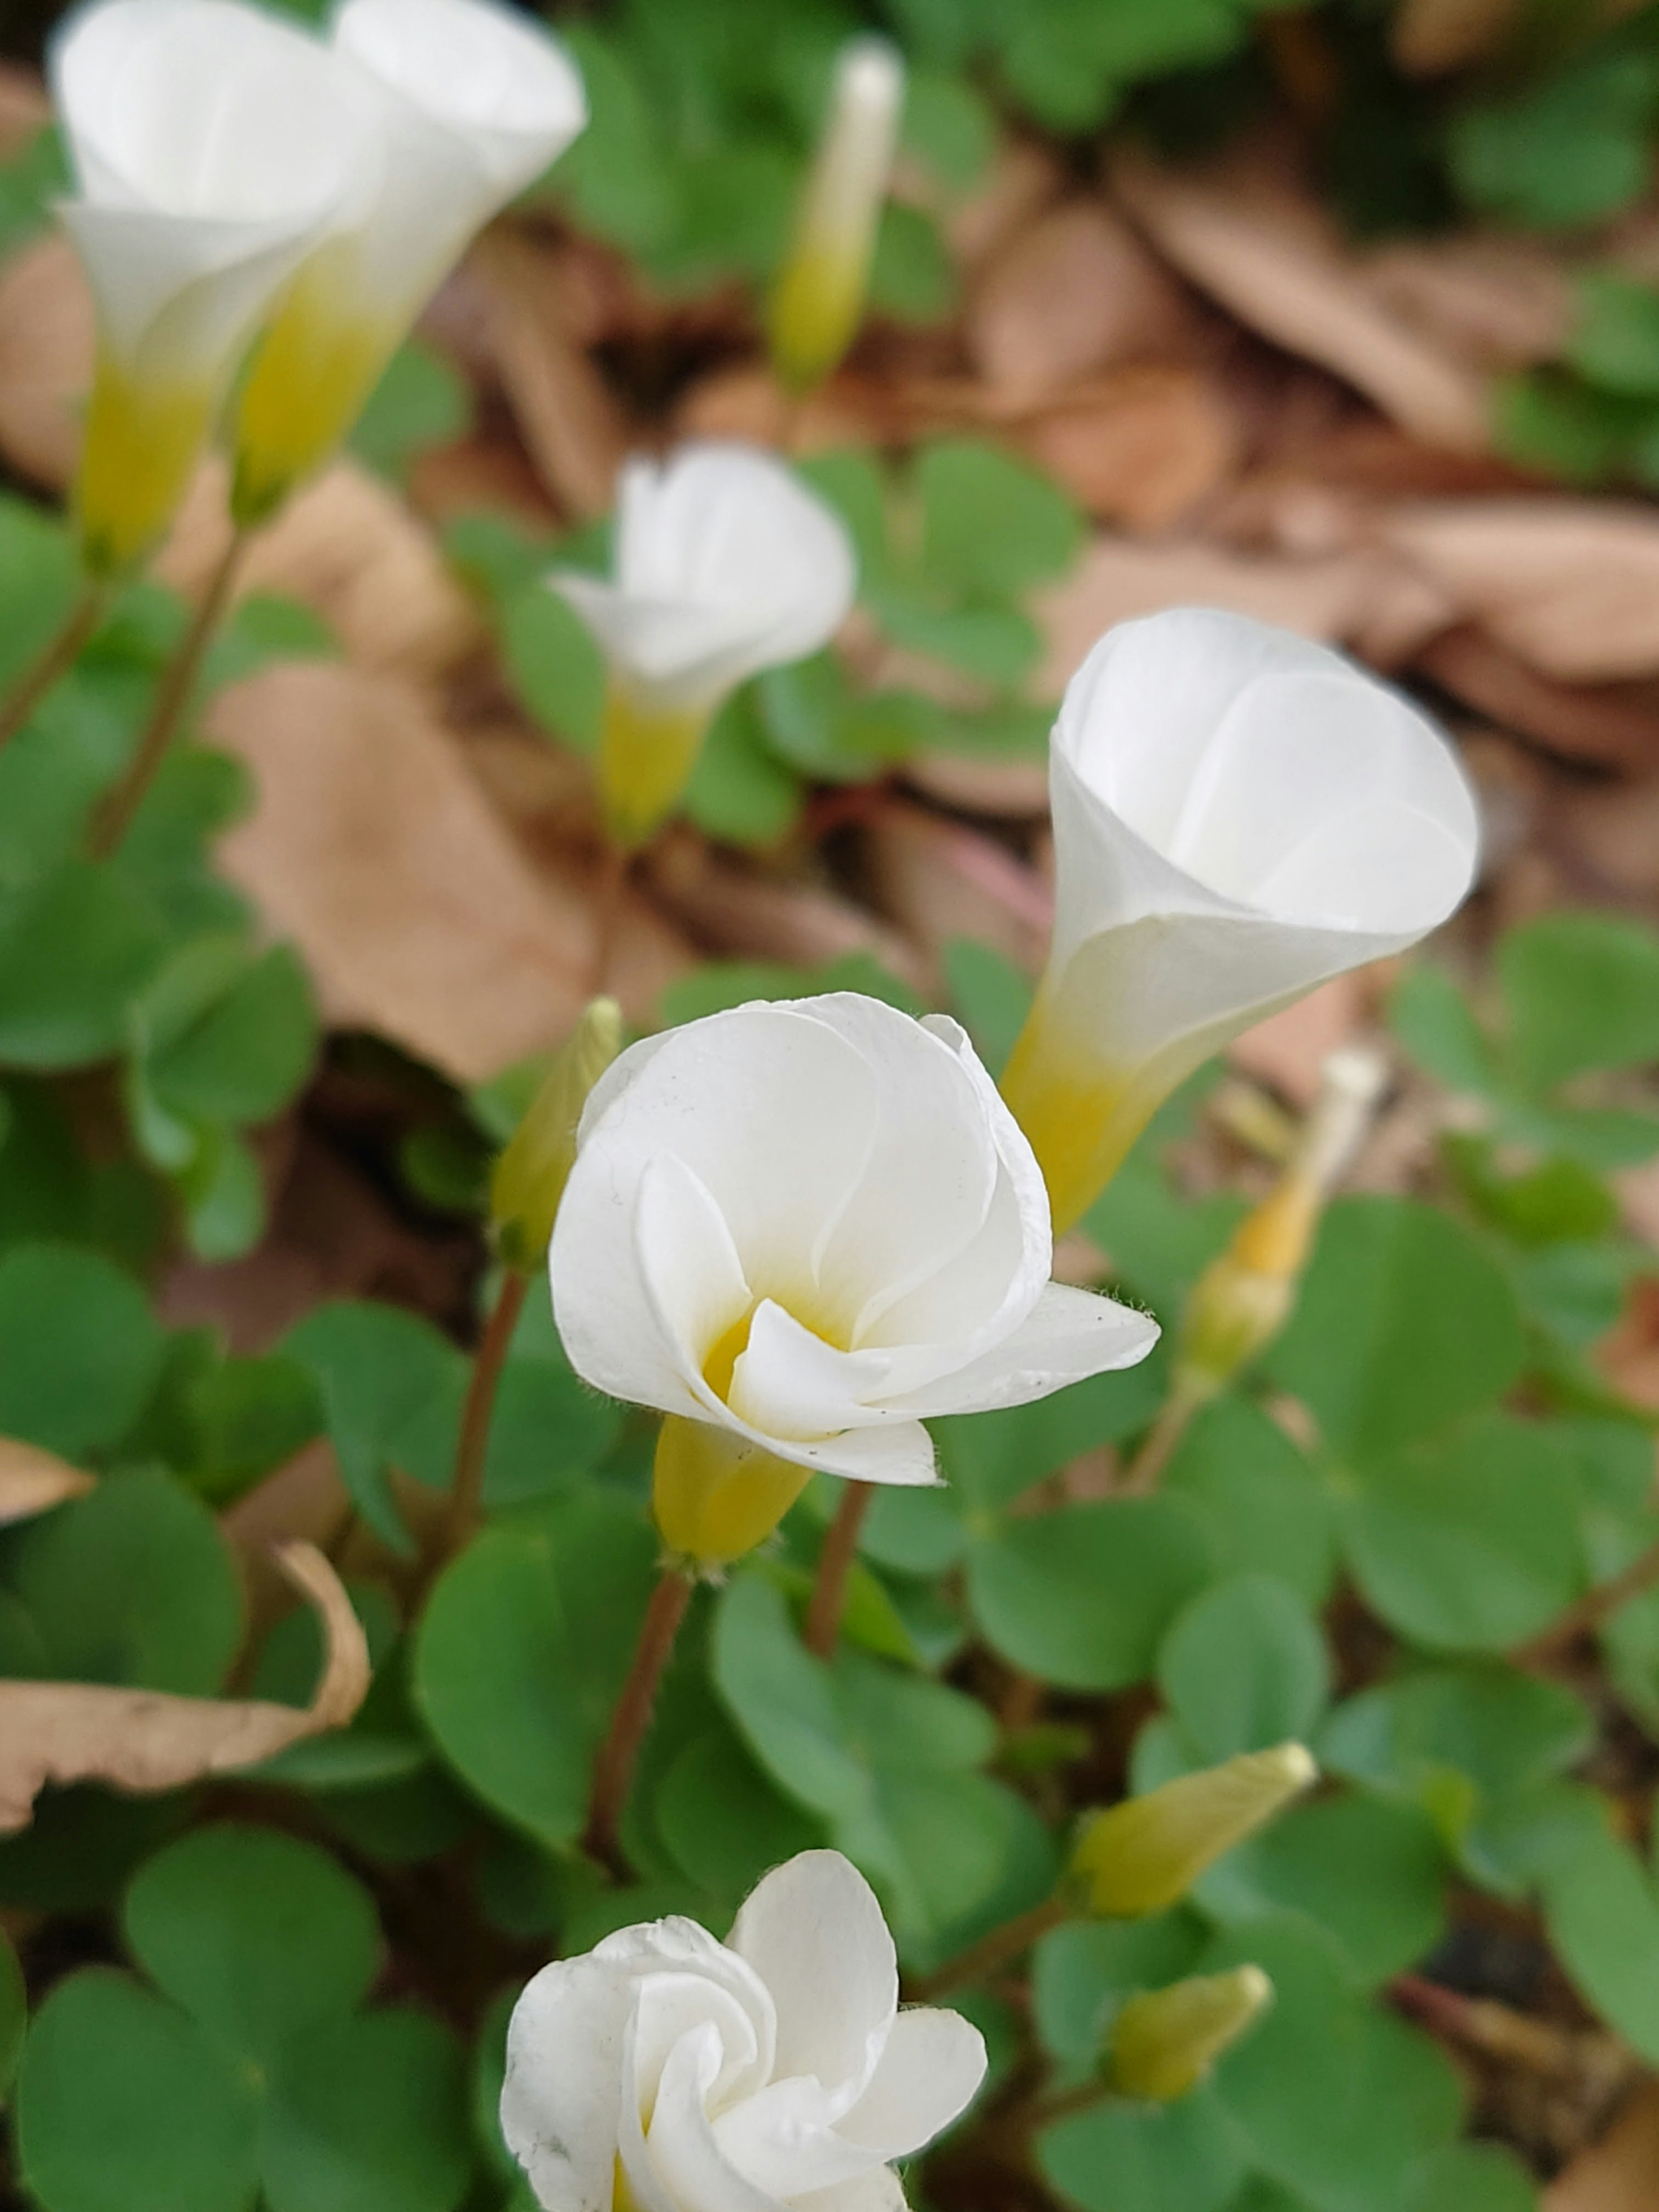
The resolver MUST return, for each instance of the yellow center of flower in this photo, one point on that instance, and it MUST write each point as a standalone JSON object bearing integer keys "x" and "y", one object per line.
{"x": 143, "y": 438}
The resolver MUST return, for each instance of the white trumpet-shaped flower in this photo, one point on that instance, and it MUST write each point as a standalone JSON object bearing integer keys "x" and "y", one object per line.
{"x": 212, "y": 146}
{"x": 818, "y": 300}
{"x": 666, "y": 2072}
{"x": 725, "y": 564}
{"x": 1238, "y": 814}
{"x": 811, "y": 1225}
{"x": 470, "y": 101}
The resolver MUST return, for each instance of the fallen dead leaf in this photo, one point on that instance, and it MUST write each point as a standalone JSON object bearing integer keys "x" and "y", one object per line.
{"x": 1614, "y": 724}
{"x": 1572, "y": 585}
{"x": 147, "y": 1739}
{"x": 940, "y": 879}
{"x": 1350, "y": 595}
{"x": 1614, "y": 829}
{"x": 1289, "y": 1048}
{"x": 1621, "y": 2173}
{"x": 1497, "y": 302}
{"x": 418, "y": 916}
{"x": 1016, "y": 789}
{"x": 31, "y": 1481}
{"x": 1141, "y": 448}
{"x": 347, "y": 547}
{"x": 1246, "y": 233}
{"x": 748, "y": 402}
{"x": 1024, "y": 179}
{"x": 25, "y": 111}
{"x": 574, "y": 426}
{"x": 46, "y": 343}
{"x": 1429, "y": 37}
{"x": 1067, "y": 295}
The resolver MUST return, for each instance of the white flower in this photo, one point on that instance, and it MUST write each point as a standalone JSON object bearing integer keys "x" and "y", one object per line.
{"x": 468, "y": 103}
{"x": 211, "y": 146}
{"x": 669, "y": 2071}
{"x": 725, "y": 565}
{"x": 812, "y": 1224}
{"x": 820, "y": 299}
{"x": 1238, "y": 814}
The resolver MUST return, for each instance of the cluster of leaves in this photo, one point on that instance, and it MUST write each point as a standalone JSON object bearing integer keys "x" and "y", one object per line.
{"x": 949, "y": 546}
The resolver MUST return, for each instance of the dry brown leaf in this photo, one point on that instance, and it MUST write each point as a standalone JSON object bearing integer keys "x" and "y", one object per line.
{"x": 1429, "y": 37}
{"x": 31, "y": 1480}
{"x": 1024, "y": 179}
{"x": 1572, "y": 585}
{"x": 46, "y": 343}
{"x": 418, "y": 916}
{"x": 1141, "y": 448}
{"x": 1496, "y": 302}
{"x": 1289, "y": 1048}
{"x": 748, "y": 402}
{"x": 1344, "y": 596}
{"x": 25, "y": 111}
{"x": 1612, "y": 828}
{"x": 940, "y": 880}
{"x": 1614, "y": 725}
{"x": 1244, "y": 231}
{"x": 1067, "y": 295}
{"x": 576, "y": 432}
{"x": 1621, "y": 2173}
{"x": 1017, "y": 789}
{"x": 347, "y": 547}
{"x": 147, "y": 1740}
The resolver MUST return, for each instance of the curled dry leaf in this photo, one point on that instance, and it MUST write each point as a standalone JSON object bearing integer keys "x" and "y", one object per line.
{"x": 148, "y": 1740}
{"x": 31, "y": 1481}
{"x": 1067, "y": 295}
{"x": 1142, "y": 447}
{"x": 418, "y": 916}
{"x": 1244, "y": 232}
{"x": 1614, "y": 724}
{"x": 1572, "y": 585}
{"x": 1359, "y": 596}
{"x": 575, "y": 429}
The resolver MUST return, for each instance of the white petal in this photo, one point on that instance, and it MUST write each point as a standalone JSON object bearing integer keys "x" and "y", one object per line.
{"x": 567, "y": 2053}
{"x": 899, "y": 1451}
{"x": 814, "y": 1933}
{"x": 667, "y": 2006}
{"x": 785, "y": 2140}
{"x": 879, "y": 2190}
{"x": 679, "y": 2152}
{"x": 688, "y": 1264}
{"x": 1385, "y": 867}
{"x": 788, "y": 1383}
{"x": 929, "y": 2074}
{"x": 1069, "y": 1335}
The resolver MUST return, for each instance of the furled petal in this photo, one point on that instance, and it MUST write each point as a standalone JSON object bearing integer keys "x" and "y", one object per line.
{"x": 788, "y": 1383}
{"x": 679, "y": 2153}
{"x": 1069, "y": 1335}
{"x": 667, "y": 2006}
{"x": 785, "y": 2140}
{"x": 814, "y": 1934}
{"x": 930, "y": 2071}
{"x": 567, "y": 2053}
{"x": 477, "y": 101}
{"x": 689, "y": 1265}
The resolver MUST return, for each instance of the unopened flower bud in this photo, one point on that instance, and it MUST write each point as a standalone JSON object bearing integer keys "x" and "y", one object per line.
{"x": 1143, "y": 1855}
{"x": 1164, "y": 2042}
{"x": 716, "y": 1496}
{"x": 532, "y": 1173}
{"x": 818, "y": 302}
{"x": 1243, "y": 1299}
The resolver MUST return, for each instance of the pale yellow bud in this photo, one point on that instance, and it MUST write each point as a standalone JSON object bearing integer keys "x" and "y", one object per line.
{"x": 1143, "y": 1855}
{"x": 714, "y": 1495}
{"x": 1243, "y": 1299}
{"x": 532, "y": 1173}
{"x": 1164, "y": 2042}
{"x": 818, "y": 302}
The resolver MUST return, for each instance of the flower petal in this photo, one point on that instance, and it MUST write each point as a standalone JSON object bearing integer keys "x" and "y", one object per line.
{"x": 879, "y": 2190}
{"x": 785, "y": 2140}
{"x": 929, "y": 2074}
{"x": 814, "y": 1933}
{"x": 678, "y": 2163}
{"x": 1069, "y": 1335}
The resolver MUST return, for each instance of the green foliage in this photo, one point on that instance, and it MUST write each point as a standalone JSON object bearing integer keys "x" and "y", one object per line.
{"x": 83, "y": 1350}
{"x": 421, "y": 401}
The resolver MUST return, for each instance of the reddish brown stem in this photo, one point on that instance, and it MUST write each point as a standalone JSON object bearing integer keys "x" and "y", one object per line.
{"x": 840, "y": 1546}
{"x": 472, "y": 1449}
{"x": 614, "y": 1774}
{"x": 1590, "y": 1611}
{"x": 1000, "y": 1948}
{"x": 55, "y": 659}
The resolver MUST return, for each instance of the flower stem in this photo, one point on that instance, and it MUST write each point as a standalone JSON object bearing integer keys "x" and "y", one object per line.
{"x": 1000, "y": 1948}
{"x": 835, "y": 1564}
{"x": 54, "y": 659}
{"x": 1145, "y": 1470}
{"x": 473, "y": 1448}
{"x": 614, "y": 1773}
{"x": 114, "y": 816}
{"x": 1588, "y": 1614}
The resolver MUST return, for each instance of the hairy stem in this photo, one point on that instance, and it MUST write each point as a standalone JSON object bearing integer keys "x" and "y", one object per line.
{"x": 473, "y": 1448}
{"x": 54, "y": 659}
{"x": 614, "y": 1774}
{"x": 836, "y": 1560}
{"x": 1000, "y": 1948}
{"x": 114, "y": 816}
